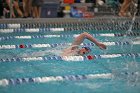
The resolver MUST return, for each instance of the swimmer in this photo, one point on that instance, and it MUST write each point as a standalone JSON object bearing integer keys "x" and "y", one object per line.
{"x": 74, "y": 49}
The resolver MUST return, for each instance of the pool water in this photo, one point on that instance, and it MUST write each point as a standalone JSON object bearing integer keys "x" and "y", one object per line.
{"x": 104, "y": 74}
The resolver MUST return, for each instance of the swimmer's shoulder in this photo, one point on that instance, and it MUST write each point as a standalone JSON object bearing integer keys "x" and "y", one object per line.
{"x": 73, "y": 47}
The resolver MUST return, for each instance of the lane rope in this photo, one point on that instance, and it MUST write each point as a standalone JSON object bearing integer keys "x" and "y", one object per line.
{"x": 32, "y": 30}
{"x": 65, "y": 36}
{"x": 44, "y": 30}
{"x": 68, "y": 58}
{"x": 17, "y": 81}
{"x": 64, "y": 44}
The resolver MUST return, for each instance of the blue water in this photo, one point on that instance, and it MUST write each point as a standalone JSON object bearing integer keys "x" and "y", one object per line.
{"x": 123, "y": 68}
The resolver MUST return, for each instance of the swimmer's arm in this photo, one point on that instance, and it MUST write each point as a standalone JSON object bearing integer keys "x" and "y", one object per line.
{"x": 79, "y": 39}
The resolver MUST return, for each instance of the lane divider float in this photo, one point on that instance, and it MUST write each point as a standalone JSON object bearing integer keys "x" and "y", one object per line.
{"x": 64, "y": 44}
{"x": 65, "y": 36}
{"x": 19, "y": 81}
{"x": 32, "y": 30}
{"x": 59, "y": 29}
{"x": 68, "y": 58}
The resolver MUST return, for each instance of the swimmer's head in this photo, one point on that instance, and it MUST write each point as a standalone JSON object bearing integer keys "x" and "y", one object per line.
{"x": 84, "y": 50}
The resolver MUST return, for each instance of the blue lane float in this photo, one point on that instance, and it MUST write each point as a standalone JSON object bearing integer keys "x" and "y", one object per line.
{"x": 31, "y": 30}
{"x": 63, "y": 44}
{"x": 69, "y": 58}
{"x": 44, "y": 30}
{"x": 66, "y": 36}
{"x": 19, "y": 81}
{"x": 69, "y": 23}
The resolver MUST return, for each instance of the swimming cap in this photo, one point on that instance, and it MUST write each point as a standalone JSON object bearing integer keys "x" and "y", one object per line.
{"x": 86, "y": 47}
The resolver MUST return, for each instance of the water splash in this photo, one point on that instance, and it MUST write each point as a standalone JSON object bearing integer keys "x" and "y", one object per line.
{"x": 44, "y": 52}
{"x": 130, "y": 73}
{"x": 133, "y": 10}
{"x": 133, "y": 73}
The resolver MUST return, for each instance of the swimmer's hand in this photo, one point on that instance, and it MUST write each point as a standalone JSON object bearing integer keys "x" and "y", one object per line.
{"x": 101, "y": 46}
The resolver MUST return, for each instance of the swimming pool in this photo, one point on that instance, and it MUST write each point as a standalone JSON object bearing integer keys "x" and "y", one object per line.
{"x": 30, "y": 61}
